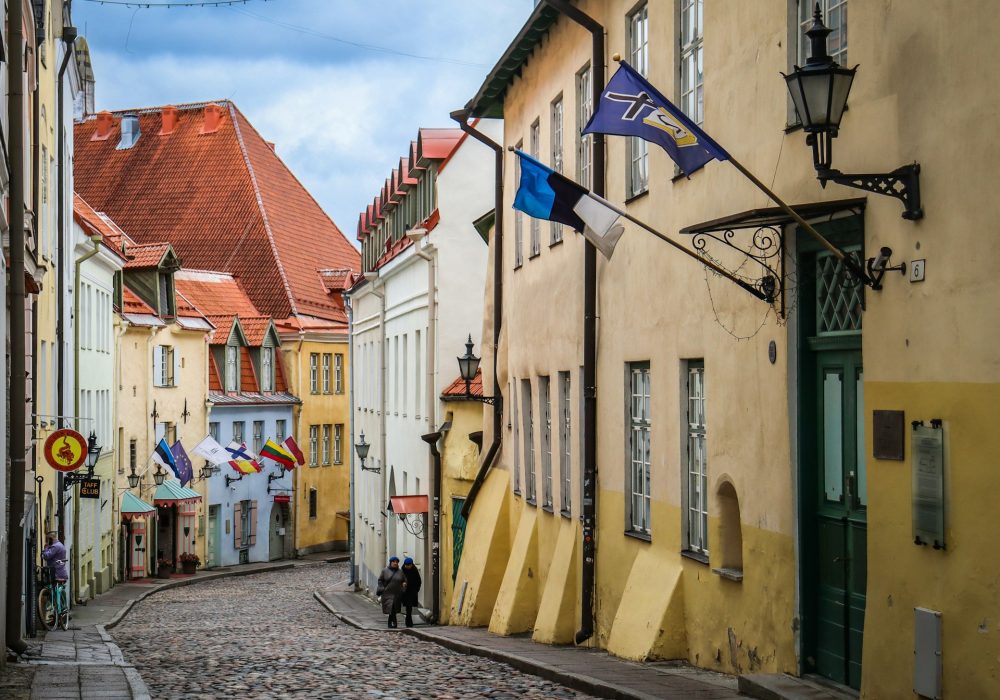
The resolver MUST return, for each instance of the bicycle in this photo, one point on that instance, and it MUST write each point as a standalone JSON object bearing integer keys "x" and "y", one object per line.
{"x": 53, "y": 602}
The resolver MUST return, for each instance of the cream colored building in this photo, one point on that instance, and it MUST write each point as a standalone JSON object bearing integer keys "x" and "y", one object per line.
{"x": 744, "y": 522}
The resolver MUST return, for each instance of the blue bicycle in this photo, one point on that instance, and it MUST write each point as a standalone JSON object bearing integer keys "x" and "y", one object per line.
{"x": 53, "y": 602}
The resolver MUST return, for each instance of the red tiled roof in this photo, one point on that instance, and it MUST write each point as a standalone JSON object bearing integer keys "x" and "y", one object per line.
{"x": 224, "y": 199}
{"x": 215, "y": 293}
{"x": 214, "y": 378}
{"x": 248, "y": 377}
{"x": 95, "y": 224}
{"x": 223, "y": 327}
{"x": 457, "y": 388}
{"x": 437, "y": 144}
{"x": 142, "y": 256}
{"x": 133, "y": 304}
{"x": 336, "y": 280}
{"x": 255, "y": 328}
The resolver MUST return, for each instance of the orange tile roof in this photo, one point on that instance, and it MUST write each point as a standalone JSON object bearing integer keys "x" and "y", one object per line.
{"x": 248, "y": 376}
{"x": 255, "y": 328}
{"x": 95, "y": 224}
{"x": 224, "y": 199}
{"x": 214, "y": 379}
{"x": 133, "y": 304}
{"x": 142, "y": 256}
{"x": 456, "y": 390}
{"x": 336, "y": 280}
{"x": 214, "y": 293}
{"x": 223, "y": 327}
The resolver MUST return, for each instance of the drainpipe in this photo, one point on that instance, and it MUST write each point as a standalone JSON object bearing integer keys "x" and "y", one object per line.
{"x": 432, "y": 440}
{"x": 589, "y": 504}
{"x": 350, "y": 448}
{"x": 462, "y": 117}
{"x": 377, "y": 281}
{"x": 96, "y": 242}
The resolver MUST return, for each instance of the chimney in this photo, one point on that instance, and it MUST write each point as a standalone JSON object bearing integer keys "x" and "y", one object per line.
{"x": 213, "y": 118}
{"x": 105, "y": 124}
{"x": 169, "y": 116}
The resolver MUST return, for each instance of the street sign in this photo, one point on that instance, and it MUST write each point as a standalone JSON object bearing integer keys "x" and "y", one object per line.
{"x": 65, "y": 450}
{"x": 90, "y": 488}
{"x": 282, "y": 498}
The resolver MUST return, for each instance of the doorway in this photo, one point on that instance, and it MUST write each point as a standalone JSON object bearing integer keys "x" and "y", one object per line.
{"x": 276, "y": 528}
{"x": 214, "y": 536}
{"x": 833, "y": 493}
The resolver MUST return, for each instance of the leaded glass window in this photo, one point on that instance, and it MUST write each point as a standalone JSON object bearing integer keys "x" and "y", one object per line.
{"x": 839, "y": 296}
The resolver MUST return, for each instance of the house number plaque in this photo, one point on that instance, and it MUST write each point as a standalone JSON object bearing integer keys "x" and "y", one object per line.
{"x": 928, "y": 484}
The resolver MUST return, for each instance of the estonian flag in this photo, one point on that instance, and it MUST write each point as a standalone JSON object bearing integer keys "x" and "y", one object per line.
{"x": 545, "y": 194}
{"x": 630, "y": 106}
{"x": 164, "y": 457}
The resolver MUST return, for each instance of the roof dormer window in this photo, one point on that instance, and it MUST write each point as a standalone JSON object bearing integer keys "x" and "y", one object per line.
{"x": 166, "y": 289}
{"x": 267, "y": 369}
{"x": 130, "y": 131}
{"x": 232, "y": 368}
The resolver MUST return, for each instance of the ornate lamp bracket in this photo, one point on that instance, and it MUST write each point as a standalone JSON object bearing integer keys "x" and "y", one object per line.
{"x": 903, "y": 183}
{"x": 763, "y": 267}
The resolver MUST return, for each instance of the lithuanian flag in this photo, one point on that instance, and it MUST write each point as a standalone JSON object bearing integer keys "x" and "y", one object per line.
{"x": 244, "y": 466}
{"x": 278, "y": 453}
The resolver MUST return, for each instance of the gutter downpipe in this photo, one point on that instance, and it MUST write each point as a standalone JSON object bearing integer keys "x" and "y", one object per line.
{"x": 18, "y": 295}
{"x": 383, "y": 472}
{"x": 350, "y": 394}
{"x": 432, "y": 440}
{"x": 462, "y": 117}
{"x": 75, "y": 554}
{"x": 589, "y": 504}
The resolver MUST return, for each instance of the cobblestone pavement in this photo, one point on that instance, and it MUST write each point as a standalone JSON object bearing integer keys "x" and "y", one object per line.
{"x": 264, "y": 636}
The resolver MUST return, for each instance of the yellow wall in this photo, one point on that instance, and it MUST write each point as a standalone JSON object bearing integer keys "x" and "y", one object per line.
{"x": 459, "y": 464}
{"x": 327, "y": 530}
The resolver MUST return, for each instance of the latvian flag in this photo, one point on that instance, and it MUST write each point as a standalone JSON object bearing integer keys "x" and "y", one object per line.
{"x": 289, "y": 444}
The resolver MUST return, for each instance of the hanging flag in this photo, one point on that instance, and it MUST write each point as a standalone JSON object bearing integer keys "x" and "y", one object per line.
{"x": 243, "y": 466}
{"x": 545, "y": 194}
{"x": 289, "y": 444}
{"x": 631, "y": 106}
{"x": 164, "y": 457}
{"x": 278, "y": 453}
{"x": 239, "y": 450}
{"x": 212, "y": 451}
{"x": 184, "y": 471}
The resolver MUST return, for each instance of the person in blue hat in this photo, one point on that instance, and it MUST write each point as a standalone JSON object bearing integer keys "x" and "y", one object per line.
{"x": 411, "y": 590}
{"x": 390, "y": 590}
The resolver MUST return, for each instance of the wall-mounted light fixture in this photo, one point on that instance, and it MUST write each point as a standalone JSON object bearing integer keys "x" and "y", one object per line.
{"x": 362, "y": 447}
{"x": 468, "y": 365}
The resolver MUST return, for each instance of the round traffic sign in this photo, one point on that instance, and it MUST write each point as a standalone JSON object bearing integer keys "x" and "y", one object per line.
{"x": 65, "y": 450}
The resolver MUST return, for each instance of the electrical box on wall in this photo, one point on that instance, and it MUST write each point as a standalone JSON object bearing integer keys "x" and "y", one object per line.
{"x": 927, "y": 653}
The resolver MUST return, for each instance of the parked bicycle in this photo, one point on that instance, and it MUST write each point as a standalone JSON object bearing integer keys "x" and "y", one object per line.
{"x": 53, "y": 601}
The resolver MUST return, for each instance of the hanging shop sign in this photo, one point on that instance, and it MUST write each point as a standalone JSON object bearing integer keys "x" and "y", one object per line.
{"x": 90, "y": 488}
{"x": 65, "y": 450}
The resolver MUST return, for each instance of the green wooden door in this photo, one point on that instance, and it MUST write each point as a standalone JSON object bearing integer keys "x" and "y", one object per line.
{"x": 457, "y": 534}
{"x": 840, "y": 516}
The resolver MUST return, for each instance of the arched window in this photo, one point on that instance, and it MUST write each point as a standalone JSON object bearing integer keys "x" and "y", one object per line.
{"x": 730, "y": 549}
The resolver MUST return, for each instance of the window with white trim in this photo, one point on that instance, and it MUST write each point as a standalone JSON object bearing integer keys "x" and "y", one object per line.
{"x": 556, "y": 114}
{"x": 565, "y": 435}
{"x": 834, "y": 17}
{"x": 279, "y": 431}
{"x": 267, "y": 368}
{"x": 326, "y": 445}
{"x": 637, "y": 177}
{"x": 696, "y": 469}
{"x": 326, "y": 373}
{"x": 584, "y": 142}
{"x": 338, "y": 373}
{"x": 163, "y": 365}
{"x": 232, "y": 368}
{"x": 638, "y": 440}
{"x": 516, "y": 426}
{"x": 238, "y": 432}
{"x": 545, "y": 407}
{"x": 534, "y": 145}
{"x": 529, "y": 441}
{"x": 258, "y": 436}
{"x": 313, "y": 445}
{"x": 338, "y": 443}
{"x": 314, "y": 373}
{"x": 692, "y": 77}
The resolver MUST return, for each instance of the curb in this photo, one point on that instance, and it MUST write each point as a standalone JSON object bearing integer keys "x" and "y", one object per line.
{"x": 136, "y": 685}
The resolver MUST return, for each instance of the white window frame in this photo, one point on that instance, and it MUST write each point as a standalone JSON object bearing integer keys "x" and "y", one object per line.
{"x": 557, "y": 116}
{"x": 834, "y": 17}
{"x": 313, "y": 445}
{"x": 637, "y": 174}
{"x": 238, "y": 429}
{"x": 314, "y": 373}
{"x": 691, "y": 63}
{"x": 258, "y": 436}
{"x": 338, "y": 373}
{"x": 326, "y": 372}
{"x": 696, "y": 460}
{"x": 327, "y": 429}
{"x": 545, "y": 409}
{"x": 527, "y": 416}
{"x": 584, "y": 142}
{"x": 280, "y": 426}
{"x": 338, "y": 443}
{"x": 267, "y": 368}
{"x": 638, "y": 453}
{"x": 232, "y": 377}
{"x": 516, "y": 442}
{"x": 534, "y": 145}
{"x": 565, "y": 444}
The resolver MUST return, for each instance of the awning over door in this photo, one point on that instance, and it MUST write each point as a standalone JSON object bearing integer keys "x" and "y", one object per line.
{"x": 408, "y": 504}
{"x": 171, "y": 492}
{"x": 135, "y": 507}
{"x": 775, "y": 216}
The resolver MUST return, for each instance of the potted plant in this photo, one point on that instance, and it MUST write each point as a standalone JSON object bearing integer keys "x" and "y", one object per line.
{"x": 164, "y": 567}
{"x": 189, "y": 562}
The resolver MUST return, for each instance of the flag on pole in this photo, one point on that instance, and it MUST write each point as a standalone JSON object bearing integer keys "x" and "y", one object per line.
{"x": 545, "y": 194}
{"x": 241, "y": 457}
{"x": 184, "y": 470}
{"x": 278, "y": 453}
{"x": 212, "y": 451}
{"x": 289, "y": 444}
{"x": 164, "y": 457}
{"x": 242, "y": 466}
{"x": 631, "y": 106}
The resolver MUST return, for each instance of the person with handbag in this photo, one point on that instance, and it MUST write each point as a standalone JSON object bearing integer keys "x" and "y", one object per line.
{"x": 390, "y": 589}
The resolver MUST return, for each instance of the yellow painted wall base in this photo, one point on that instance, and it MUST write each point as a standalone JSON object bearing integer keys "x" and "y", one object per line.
{"x": 649, "y": 623}
{"x": 556, "y": 621}
{"x": 484, "y": 558}
{"x": 517, "y": 601}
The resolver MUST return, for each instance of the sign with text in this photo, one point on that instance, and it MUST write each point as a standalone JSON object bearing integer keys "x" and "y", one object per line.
{"x": 928, "y": 484}
{"x": 90, "y": 488}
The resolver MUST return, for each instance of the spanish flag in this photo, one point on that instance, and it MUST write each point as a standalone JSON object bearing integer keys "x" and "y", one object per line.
{"x": 244, "y": 466}
{"x": 278, "y": 453}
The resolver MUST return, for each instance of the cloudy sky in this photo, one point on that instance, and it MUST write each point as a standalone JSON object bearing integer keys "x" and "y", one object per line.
{"x": 340, "y": 113}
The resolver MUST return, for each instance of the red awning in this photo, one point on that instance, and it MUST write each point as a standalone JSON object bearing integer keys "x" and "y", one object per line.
{"x": 408, "y": 504}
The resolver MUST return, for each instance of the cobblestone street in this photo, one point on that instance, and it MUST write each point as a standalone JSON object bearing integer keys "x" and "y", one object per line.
{"x": 264, "y": 636}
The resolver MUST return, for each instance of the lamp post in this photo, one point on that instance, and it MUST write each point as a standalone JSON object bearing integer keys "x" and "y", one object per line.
{"x": 468, "y": 365}
{"x": 159, "y": 475}
{"x": 819, "y": 91}
{"x": 133, "y": 478}
{"x": 362, "y": 448}
{"x": 93, "y": 454}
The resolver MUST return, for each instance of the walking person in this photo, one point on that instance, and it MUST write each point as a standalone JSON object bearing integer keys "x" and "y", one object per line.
{"x": 411, "y": 590}
{"x": 390, "y": 589}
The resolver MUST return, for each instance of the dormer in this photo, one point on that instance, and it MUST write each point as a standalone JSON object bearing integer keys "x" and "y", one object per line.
{"x": 149, "y": 272}
{"x": 229, "y": 343}
{"x": 266, "y": 357}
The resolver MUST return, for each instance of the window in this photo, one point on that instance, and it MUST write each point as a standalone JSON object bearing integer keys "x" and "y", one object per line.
{"x": 238, "y": 432}
{"x": 132, "y": 456}
{"x": 326, "y": 373}
{"x": 314, "y": 373}
{"x": 213, "y": 431}
{"x": 404, "y": 369}
{"x": 418, "y": 372}
{"x": 232, "y": 368}
{"x": 565, "y": 434}
{"x": 313, "y": 445}
{"x": 834, "y": 17}
{"x": 637, "y": 177}
{"x": 312, "y": 504}
{"x": 638, "y": 474}
{"x": 326, "y": 445}
{"x": 556, "y": 113}
{"x": 258, "y": 436}
{"x": 516, "y": 479}
{"x": 163, "y": 365}
{"x": 279, "y": 431}
{"x": 534, "y": 144}
{"x": 584, "y": 110}
{"x": 518, "y": 214}
{"x": 697, "y": 467}
{"x": 267, "y": 369}
{"x": 166, "y": 294}
{"x": 338, "y": 443}
{"x": 247, "y": 511}
{"x": 338, "y": 373}
{"x": 545, "y": 406}
{"x": 529, "y": 441}
{"x": 395, "y": 374}
{"x": 691, "y": 60}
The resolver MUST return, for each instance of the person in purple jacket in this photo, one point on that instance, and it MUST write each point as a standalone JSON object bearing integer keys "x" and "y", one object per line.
{"x": 54, "y": 555}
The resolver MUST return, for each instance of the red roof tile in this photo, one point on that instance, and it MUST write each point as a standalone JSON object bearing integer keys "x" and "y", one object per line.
{"x": 133, "y": 304}
{"x": 248, "y": 377}
{"x": 456, "y": 389}
{"x": 214, "y": 293}
{"x": 255, "y": 328}
{"x": 224, "y": 200}
{"x": 142, "y": 256}
{"x": 223, "y": 327}
{"x": 336, "y": 280}
{"x": 95, "y": 224}
{"x": 214, "y": 378}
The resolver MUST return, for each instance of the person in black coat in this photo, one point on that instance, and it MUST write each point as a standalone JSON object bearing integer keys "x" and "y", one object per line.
{"x": 411, "y": 590}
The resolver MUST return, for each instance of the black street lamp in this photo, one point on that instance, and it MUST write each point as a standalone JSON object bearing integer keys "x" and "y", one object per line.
{"x": 133, "y": 478}
{"x": 362, "y": 448}
{"x": 819, "y": 92}
{"x": 468, "y": 365}
{"x": 207, "y": 471}
{"x": 159, "y": 475}
{"x": 93, "y": 454}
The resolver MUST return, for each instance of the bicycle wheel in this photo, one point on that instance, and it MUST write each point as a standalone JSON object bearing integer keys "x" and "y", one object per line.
{"x": 47, "y": 609}
{"x": 63, "y": 608}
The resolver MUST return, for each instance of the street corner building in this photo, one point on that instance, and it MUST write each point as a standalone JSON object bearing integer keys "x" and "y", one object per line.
{"x": 763, "y": 449}
{"x": 417, "y": 303}
{"x": 200, "y": 177}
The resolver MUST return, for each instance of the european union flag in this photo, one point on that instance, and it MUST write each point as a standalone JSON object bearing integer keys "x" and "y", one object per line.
{"x": 630, "y": 106}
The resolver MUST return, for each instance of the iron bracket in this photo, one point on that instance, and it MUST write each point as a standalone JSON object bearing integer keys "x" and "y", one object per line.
{"x": 903, "y": 183}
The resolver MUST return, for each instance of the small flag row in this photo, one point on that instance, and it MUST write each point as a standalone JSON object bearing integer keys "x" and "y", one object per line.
{"x": 237, "y": 455}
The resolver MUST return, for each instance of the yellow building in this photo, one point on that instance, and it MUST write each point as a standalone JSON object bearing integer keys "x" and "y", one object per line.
{"x": 757, "y": 482}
